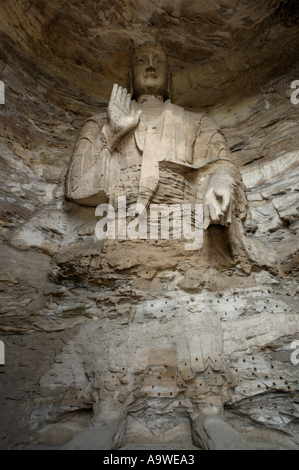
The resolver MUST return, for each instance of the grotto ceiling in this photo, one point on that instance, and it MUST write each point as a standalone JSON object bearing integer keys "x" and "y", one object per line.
{"x": 217, "y": 49}
{"x": 234, "y": 59}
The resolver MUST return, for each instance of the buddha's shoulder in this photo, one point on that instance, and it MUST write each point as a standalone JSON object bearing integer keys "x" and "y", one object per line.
{"x": 191, "y": 116}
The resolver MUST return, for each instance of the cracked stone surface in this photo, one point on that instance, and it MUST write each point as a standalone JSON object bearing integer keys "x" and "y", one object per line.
{"x": 158, "y": 337}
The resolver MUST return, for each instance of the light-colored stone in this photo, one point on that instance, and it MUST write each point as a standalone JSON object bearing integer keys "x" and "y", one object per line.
{"x": 287, "y": 207}
{"x": 212, "y": 433}
{"x": 74, "y": 312}
{"x": 122, "y": 157}
{"x": 105, "y": 436}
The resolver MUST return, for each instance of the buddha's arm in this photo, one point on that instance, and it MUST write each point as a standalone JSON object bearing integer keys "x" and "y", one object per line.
{"x": 93, "y": 170}
{"x": 121, "y": 120}
{"x": 225, "y": 194}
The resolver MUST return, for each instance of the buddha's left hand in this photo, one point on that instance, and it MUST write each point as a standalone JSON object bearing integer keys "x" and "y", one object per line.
{"x": 217, "y": 206}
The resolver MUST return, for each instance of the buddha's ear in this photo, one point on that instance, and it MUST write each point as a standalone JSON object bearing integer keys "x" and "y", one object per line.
{"x": 169, "y": 88}
{"x": 130, "y": 83}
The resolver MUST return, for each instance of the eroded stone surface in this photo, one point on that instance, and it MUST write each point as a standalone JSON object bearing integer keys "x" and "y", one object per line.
{"x": 60, "y": 325}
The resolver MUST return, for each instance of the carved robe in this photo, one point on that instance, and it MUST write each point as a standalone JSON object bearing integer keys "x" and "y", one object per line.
{"x": 186, "y": 145}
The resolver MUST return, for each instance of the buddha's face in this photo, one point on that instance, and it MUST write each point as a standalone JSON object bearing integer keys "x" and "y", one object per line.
{"x": 150, "y": 73}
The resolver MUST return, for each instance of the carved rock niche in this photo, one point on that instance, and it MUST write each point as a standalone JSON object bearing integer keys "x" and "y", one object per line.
{"x": 149, "y": 225}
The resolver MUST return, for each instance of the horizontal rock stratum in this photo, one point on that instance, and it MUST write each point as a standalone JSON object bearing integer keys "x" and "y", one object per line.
{"x": 142, "y": 344}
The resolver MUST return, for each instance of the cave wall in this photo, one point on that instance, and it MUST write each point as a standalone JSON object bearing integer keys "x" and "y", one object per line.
{"x": 73, "y": 339}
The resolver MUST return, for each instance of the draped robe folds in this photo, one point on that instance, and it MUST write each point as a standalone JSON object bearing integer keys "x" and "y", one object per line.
{"x": 179, "y": 140}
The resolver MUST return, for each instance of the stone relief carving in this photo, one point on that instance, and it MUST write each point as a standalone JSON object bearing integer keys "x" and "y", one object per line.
{"x": 125, "y": 155}
{"x": 151, "y": 150}
{"x": 87, "y": 337}
{"x": 146, "y": 144}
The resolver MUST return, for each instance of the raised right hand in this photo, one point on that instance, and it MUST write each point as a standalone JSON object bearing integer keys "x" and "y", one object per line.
{"x": 120, "y": 122}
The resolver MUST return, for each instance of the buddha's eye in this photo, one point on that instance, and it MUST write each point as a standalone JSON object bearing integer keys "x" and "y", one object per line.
{"x": 158, "y": 60}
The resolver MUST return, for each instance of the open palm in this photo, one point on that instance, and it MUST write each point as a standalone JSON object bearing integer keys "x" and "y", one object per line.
{"x": 120, "y": 120}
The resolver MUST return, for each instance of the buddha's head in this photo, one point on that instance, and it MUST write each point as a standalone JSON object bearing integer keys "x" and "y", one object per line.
{"x": 150, "y": 71}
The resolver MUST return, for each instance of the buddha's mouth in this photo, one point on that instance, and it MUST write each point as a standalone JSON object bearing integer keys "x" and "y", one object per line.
{"x": 151, "y": 75}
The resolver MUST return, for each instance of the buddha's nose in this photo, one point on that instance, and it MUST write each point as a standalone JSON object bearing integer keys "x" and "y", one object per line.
{"x": 150, "y": 68}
